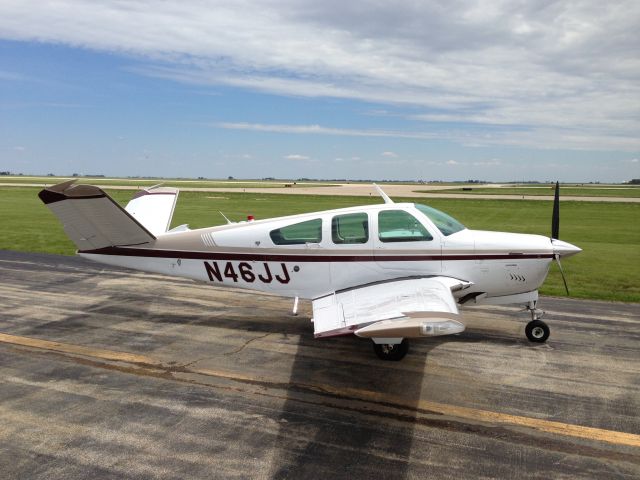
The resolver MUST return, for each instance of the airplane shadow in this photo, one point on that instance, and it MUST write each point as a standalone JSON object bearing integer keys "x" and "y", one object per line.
{"x": 350, "y": 442}
{"x": 343, "y": 439}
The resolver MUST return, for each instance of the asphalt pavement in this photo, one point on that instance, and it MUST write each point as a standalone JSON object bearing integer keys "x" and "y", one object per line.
{"x": 110, "y": 373}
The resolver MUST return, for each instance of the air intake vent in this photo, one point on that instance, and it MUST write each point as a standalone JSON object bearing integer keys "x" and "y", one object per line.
{"x": 207, "y": 239}
{"x": 517, "y": 278}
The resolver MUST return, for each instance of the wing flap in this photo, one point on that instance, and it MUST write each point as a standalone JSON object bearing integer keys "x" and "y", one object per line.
{"x": 413, "y": 307}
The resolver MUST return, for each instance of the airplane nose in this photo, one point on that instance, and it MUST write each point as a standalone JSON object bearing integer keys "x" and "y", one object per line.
{"x": 564, "y": 249}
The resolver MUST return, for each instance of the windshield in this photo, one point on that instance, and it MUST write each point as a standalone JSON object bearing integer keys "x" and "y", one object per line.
{"x": 446, "y": 224}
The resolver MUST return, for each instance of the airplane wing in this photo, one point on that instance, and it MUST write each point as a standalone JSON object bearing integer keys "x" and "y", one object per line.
{"x": 402, "y": 308}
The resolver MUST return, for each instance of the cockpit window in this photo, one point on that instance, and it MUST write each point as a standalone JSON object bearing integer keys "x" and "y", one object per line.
{"x": 298, "y": 233}
{"x": 400, "y": 226}
{"x": 446, "y": 224}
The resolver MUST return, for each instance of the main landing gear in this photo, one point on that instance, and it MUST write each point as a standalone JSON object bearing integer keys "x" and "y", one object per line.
{"x": 536, "y": 330}
{"x": 391, "y": 351}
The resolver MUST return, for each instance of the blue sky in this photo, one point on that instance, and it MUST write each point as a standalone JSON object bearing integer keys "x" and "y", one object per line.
{"x": 477, "y": 90}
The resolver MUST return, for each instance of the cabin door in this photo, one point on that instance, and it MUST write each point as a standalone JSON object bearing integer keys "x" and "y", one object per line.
{"x": 403, "y": 246}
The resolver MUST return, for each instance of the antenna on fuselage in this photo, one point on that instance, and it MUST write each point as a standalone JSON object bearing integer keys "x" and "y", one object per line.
{"x": 229, "y": 222}
{"x": 384, "y": 196}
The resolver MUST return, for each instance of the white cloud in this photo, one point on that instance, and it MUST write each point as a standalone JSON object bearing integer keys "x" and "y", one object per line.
{"x": 389, "y": 154}
{"x": 19, "y": 148}
{"x": 494, "y": 162}
{"x": 537, "y": 74}
{"x": 296, "y": 156}
{"x": 320, "y": 130}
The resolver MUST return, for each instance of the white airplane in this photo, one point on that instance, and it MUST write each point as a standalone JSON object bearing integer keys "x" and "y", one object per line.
{"x": 387, "y": 272}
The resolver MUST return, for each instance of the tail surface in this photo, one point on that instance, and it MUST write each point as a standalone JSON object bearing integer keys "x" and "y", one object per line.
{"x": 92, "y": 219}
{"x": 153, "y": 207}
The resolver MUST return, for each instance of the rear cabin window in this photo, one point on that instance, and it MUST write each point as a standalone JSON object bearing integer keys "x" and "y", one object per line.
{"x": 350, "y": 228}
{"x": 400, "y": 226}
{"x": 298, "y": 233}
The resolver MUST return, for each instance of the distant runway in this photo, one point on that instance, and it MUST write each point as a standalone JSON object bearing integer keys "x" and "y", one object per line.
{"x": 106, "y": 373}
{"x": 367, "y": 189}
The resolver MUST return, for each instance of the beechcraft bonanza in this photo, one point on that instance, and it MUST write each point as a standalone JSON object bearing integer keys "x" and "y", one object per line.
{"x": 388, "y": 272}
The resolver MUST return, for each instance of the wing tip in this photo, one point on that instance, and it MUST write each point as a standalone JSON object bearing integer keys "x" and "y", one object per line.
{"x": 69, "y": 190}
{"x": 156, "y": 190}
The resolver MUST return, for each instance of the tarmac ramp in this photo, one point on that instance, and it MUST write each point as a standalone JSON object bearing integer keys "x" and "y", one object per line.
{"x": 108, "y": 373}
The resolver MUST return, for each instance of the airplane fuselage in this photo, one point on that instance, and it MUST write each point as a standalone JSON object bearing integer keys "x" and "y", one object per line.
{"x": 258, "y": 255}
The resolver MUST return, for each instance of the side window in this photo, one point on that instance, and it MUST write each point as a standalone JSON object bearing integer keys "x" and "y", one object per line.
{"x": 400, "y": 226}
{"x": 350, "y": 228}
{"x": 298, "y": 233}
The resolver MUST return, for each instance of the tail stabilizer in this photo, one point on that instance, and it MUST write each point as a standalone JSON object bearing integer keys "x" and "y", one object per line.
{"x": 91, "y": 218}
{"x": 153, "y": 207}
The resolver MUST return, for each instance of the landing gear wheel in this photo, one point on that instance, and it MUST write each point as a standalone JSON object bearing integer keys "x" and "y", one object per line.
{"x": 390, "y": 351}
{"x": 537, "y": 331}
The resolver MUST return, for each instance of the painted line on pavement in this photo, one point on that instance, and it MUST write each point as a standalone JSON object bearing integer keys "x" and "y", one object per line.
{"x": 474, "y": 414}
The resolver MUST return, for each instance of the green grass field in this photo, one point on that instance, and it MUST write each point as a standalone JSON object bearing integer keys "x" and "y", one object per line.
{"x": 609, "y": 233}
{"x": 573, "y": 191}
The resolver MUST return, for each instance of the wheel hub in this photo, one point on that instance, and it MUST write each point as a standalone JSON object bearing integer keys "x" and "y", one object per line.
{"x": 537, "y": 332}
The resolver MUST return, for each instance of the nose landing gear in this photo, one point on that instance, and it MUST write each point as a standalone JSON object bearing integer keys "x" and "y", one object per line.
{"x": 536, "y": 330}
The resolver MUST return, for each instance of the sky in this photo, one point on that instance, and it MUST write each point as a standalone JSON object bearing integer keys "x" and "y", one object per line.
{"x": 420, "y": 90}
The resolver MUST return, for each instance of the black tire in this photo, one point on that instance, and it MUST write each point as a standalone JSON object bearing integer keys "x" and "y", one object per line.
{"x": 537, "y": 331}
{"x": 393, "y": 352}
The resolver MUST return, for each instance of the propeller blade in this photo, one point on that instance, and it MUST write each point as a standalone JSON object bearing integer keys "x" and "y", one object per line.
{"x": 557, "y": 257}
{"x": 555, "y": 219}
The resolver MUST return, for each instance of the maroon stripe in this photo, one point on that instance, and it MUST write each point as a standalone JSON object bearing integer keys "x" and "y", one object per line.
{"x": 48, "y": 196}
{"x": 156, "y": 253}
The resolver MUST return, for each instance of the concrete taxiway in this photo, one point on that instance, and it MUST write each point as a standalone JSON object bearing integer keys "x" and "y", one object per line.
{"x": 367, "y": 190}
{"x": 107, "y": 373}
